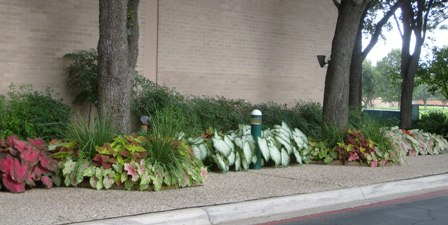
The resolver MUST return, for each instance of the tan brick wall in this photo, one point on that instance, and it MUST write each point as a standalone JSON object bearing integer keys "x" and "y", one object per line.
{"x": 35, "y": 34}
{"x": 260, "y": 50}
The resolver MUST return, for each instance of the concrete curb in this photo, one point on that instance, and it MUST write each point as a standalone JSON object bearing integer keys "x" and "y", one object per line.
{"x": 234, "y": 212}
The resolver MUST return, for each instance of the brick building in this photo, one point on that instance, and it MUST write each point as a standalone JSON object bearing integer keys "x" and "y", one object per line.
{"x": 259, "y": 50}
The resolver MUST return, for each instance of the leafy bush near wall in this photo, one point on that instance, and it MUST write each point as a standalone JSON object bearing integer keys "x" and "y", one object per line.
{"x": 434, "y": 122}
{"x": 30, "y": 114}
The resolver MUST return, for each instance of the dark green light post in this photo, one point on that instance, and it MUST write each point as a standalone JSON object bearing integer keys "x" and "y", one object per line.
{"x": 255, "y": 128}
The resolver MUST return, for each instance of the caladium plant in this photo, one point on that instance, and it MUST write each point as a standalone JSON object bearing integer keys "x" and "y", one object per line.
{"x": 25, "y": 164}
{"x": 416, "y": 142}
{"x": 236, "y": 149}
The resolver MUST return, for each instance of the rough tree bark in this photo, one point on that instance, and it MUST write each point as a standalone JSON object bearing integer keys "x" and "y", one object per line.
{"x": 336, "y": 94}
{"x": 117, "y": 51}
{"x": 409, "y": 62}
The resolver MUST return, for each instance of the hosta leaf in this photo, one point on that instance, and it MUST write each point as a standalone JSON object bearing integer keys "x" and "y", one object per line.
{"x": 275, "y": 154}
{"x": 285, "y": 157}
{"x": 231, "y": 159}
{"x": 264, "y": 148}
{"x": 221, "y": 147}
{"x": 247, "y": 152}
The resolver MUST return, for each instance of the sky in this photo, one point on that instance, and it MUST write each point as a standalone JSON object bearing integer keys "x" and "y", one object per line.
{"x": 393, "y": 40}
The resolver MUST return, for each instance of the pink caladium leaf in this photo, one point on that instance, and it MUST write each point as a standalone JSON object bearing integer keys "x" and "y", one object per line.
{"x": 353, "y": 156}
{"x": 30, "y": 180}
{"x": 38, "y": 143}
{"x": 12, "y": 185}
{"x": 131, "y": 171}
{"x": 47, "y": 162}
{"x": 374, "y": 163}
{"x": 47, "y": 181}
{"x": 20, "y": 171}
{"x": 37, "y": 173}
{"x": 19, "y": 144}
{"x": 6, "y": 164}
{"x": 31, "y": 156}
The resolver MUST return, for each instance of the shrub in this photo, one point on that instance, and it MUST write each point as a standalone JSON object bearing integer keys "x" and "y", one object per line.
{"x": 31, "y": 114}
{"x": 434, "y": 122}
{"x": 26, "y": 164}
{"x": 219, "y": 113}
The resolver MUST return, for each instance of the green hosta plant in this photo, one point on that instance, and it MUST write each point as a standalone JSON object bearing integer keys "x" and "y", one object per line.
{"x": 25, "y": 164}
{"x": 416, "y": 142}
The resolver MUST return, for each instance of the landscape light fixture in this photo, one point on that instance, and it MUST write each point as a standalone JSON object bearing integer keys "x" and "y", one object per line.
{"x": 321, "y": 60}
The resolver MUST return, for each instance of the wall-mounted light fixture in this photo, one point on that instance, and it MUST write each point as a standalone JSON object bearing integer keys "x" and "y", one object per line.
{"x": 321, "y": 60}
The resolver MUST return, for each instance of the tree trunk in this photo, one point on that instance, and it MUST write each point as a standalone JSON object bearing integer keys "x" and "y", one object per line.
{"x": 355, "y": 95}
{"x": 336, "y": 94}
{"x": 115, "y": 66}
{"x": 409, "y": 62}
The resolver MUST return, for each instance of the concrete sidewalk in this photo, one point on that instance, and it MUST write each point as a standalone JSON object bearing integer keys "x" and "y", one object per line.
{"x": 226, "y": 198}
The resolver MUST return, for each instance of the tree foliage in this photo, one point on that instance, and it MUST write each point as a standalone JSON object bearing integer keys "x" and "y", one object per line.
{"x": 435, "y": 72}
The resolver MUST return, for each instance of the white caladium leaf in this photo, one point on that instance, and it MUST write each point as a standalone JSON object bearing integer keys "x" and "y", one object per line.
{"x": 204, "y": 151}
{"x": 262, "y": 143}
{"x": 285, "y": 157}
{"x": 221, "y": 147}
{"x": 285, "y": 142}
{"x": 297, "y": 155}
{"x": 229, "y": 143}
{"x": 222, "y": 165}
{"x": 231, "y": 159}
{"x": 196, "y": 152}
{"x": 237, "y": 162}
{"x": 244, "y": 162}
{"x": 247, "y": 152}
{"x": 196, "y": 141}
{"x": 275, "y": 154}
{"x": 238, "y": 142}
{"x": 286, "y": 128}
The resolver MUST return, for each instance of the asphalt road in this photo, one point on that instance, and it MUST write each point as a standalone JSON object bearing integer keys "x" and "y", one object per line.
{"x": 425, "y": 209}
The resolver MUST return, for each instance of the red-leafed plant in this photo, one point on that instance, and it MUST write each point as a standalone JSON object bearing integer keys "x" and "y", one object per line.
{"x": 26, "y": 164}
{"x": 356, "y": 147}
